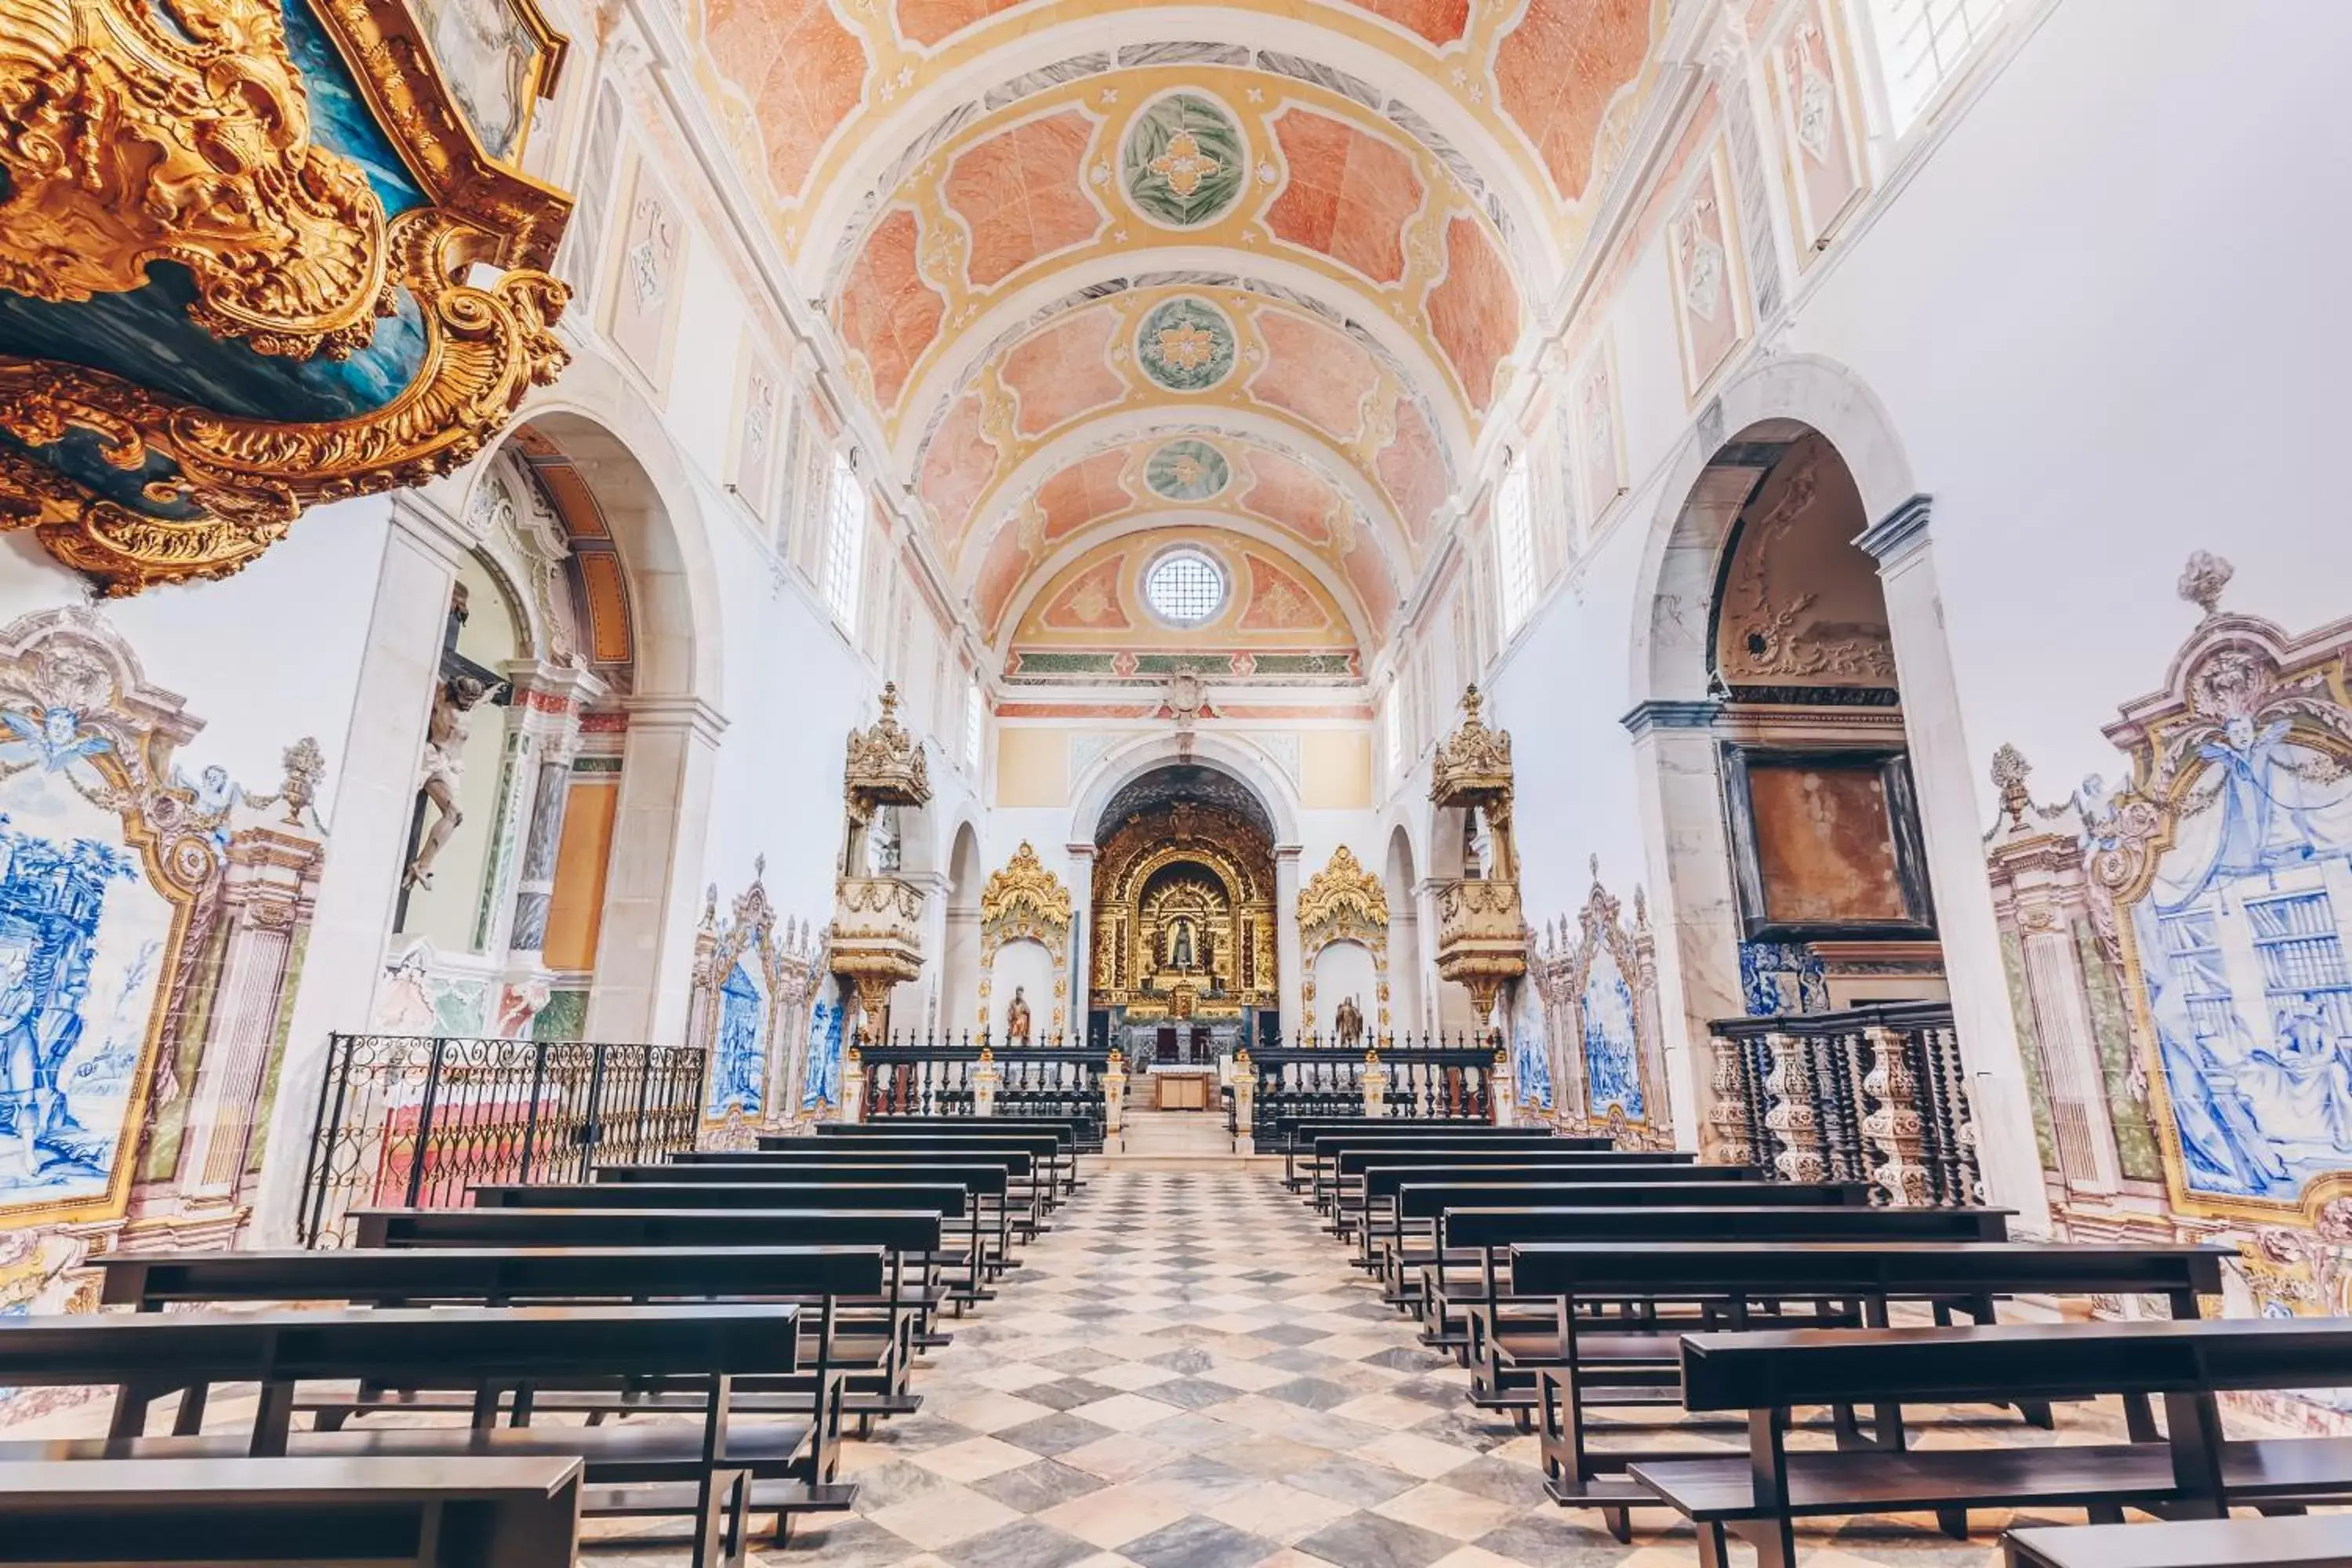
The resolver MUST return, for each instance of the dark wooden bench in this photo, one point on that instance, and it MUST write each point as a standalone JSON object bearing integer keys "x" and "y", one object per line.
{"x": 947, "y": 1200}
{"x": 988, "y": 1184}
{"x": 1423, "y": 1195}
{"x": 1085, "y": 1133}
{"x": 1323, "y": 1148}
{"x": 2318, "y": 1541}
{"x": 318, "y": 1513}
{"x": 1296, "y": 1134}
{"x": 863, "y": 1341}
{"x": 702, "y": 1470}
{"x": 1607, "y": 1342}
{"x": 1053, "y": 1150}
{"x": 1367, "y": 1179}
{"x": 2195, "y": 1471}
{"x": 915, "y": 1241}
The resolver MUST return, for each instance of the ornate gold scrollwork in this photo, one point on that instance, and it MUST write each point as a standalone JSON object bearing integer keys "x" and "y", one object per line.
{"x": 180, "y": 131}
{"x": 249, "y": 478}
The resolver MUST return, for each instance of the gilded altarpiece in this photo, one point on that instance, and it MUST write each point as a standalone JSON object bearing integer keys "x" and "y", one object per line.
{"x": 2178, "y": 957}
{"x": 152, "y": 932}
{"x": 1343, "y": 903}
{"x": 1025, "y": 902}
{"x": 1598, "y": 978}
{"x": 750, "y": 995}
{"x": 1184, "y": 916}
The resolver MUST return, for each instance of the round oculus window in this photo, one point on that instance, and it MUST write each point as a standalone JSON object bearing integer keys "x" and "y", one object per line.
{"x": 1185, "y": 586}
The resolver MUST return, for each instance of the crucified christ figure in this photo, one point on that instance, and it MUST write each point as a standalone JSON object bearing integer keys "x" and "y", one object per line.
{"x": 444, "y": 765}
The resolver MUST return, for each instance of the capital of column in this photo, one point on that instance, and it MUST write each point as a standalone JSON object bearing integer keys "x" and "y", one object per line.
{"x": 1666, "y": 713}
{"x": 1289, "y": 854}
{"x": 676, "y": 713}
{"x": 1899, "y": 535}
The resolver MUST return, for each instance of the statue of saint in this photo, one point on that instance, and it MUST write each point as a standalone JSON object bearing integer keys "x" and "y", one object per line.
{"x": 1016, "y": 1017}
{"x": 444, "y": 767}
{"x": 1349, "y": 1020}
{"x": 1179, "y": 945}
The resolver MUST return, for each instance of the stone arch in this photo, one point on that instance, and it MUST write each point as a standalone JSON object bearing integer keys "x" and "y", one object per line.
{"x": 1407, "y": 966}
{"x": 1244, "y": 764}
{"x": 960, "y": 957}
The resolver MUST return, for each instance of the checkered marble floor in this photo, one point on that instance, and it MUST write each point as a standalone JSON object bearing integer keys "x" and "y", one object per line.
{"x": 1188, "y": 1375}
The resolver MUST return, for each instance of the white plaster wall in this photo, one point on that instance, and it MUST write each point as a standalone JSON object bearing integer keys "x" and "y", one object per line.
{"x": 1026, "y": 964}
{"x": 1344, "y": 969}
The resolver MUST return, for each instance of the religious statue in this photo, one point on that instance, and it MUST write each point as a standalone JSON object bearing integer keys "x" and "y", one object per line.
{"x": 445, "y": 766}
{"x": 1016, "y": 1017}
{"x": 1179, "y": 945}
{"x": 1349, "y": 1020}
{"x": 883, "y": 856}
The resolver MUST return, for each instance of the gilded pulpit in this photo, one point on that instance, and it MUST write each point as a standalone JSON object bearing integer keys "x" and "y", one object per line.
{"x": 1482, "y": 941}
{"x": 878, "y": 912}
{"x": 256, "y": 255}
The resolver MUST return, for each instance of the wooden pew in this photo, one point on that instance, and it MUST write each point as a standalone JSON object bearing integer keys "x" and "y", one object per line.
{"x": 704, "y": 1470}
{"x": 2196, "y": 1470}
{"x": 945, "y": 1199}
{"x": 1362, "y": 1204}
{"x": 1085, "y": 1133}
{"x": 2317, "y": 1541}
{"x": 1288, "y": 1130}
{"x": 987, "y": 1183}
{"x": 1051, "y": 1148}
{"x": 317, "y": 1513}
{"x": 820, "y": 1277}
{"x": 1321, "y": 1148}
{"x": 1586, "y": 1358}
{"x": 1425, "y": 1194}
{"x": 913, "y": 1241}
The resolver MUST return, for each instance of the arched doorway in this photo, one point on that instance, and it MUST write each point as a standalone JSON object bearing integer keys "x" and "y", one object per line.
{"x": 958, "y": 998}
{"x": 1185, "y": 919}
{"x": 1405, "y": 986}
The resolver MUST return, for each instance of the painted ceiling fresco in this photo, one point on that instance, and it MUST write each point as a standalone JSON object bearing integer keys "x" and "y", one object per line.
{"x": 1051, "y": 235}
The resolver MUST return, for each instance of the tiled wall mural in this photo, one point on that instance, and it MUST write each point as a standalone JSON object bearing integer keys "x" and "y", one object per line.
{"x": 2177, "y": 948}
{"x": 753, "y": 979}
{"x": 152, "y": 929}
{"x": 1596, "y": 976}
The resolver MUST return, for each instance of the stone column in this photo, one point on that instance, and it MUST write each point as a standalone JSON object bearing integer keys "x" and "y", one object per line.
{"x": 645, "y": 950}
{"x": 1687, "y": 850}
{"x": 549, "y": 700}
{"x": 1081, "y": 880}
{"x": 374, "y": 793}
{"x": 927, "y": 1003}
{"x": 1286, "y": 957}
{"x": 1950, "y": 824}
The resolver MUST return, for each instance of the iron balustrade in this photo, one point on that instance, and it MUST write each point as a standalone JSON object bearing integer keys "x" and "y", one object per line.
{"x": 418, "y": 1121}
{"x": 1428, "y": 1079}
{"x": 1875, "y": 1094}
{"x": 937, "y": 1076}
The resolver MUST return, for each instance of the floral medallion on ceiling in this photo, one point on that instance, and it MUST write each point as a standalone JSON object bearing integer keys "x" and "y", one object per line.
{"x": 1185, "y": 345}
{"x": 1184, "y": 162}
{"x": 1187, "y": 472}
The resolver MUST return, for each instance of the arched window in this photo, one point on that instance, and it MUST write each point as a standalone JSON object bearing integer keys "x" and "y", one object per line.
{"x": 1395, "y": 722}
{"x": 1515, "y": 546}
{"x": 976, "y": 724}
{"x": 845, "y": 543}
{"x": 1922, "y": 44}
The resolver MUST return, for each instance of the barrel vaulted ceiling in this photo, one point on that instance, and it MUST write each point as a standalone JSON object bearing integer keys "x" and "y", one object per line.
{"x": 1111, "y": 275}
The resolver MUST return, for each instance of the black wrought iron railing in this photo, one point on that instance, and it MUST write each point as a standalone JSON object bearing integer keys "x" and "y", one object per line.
{"x": 1871, "y": 1094}
{"x": 418, "y": 1121}
{"x": 1428, "y": 1080}
{"x": 937, "y": 1076}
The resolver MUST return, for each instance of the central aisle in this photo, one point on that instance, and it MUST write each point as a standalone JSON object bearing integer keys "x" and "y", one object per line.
{"x": 1188, "y": 1375}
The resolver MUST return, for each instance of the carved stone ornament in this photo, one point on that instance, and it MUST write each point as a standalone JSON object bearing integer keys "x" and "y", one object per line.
{"x": 1025, "y": 899}
{"x": 886, "y": 764}
{"x": 182, "y": 131}
{"x": 1343, "y": 901}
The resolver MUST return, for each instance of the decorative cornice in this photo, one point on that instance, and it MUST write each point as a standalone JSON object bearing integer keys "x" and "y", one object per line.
{"x": 1666, "y": 713}
{"x": 675, "y": 712}
{"x": 1895, "y": 537}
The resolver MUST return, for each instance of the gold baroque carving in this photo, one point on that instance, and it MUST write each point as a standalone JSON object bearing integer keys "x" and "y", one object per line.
{"x": 1343, "y": 900}
{"x": 886, "y": 765}
{"x": 180, "y": 132}
{"x": 1025, "y": 894}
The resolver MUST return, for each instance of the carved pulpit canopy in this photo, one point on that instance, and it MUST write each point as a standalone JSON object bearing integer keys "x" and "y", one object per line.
{"x": 323, "y": 178}
{"x": 1473, "y": 766}
{"x": 886, "y": 763}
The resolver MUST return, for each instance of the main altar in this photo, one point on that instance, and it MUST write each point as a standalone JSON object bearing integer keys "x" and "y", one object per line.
{"x": 1184, "y": 935}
